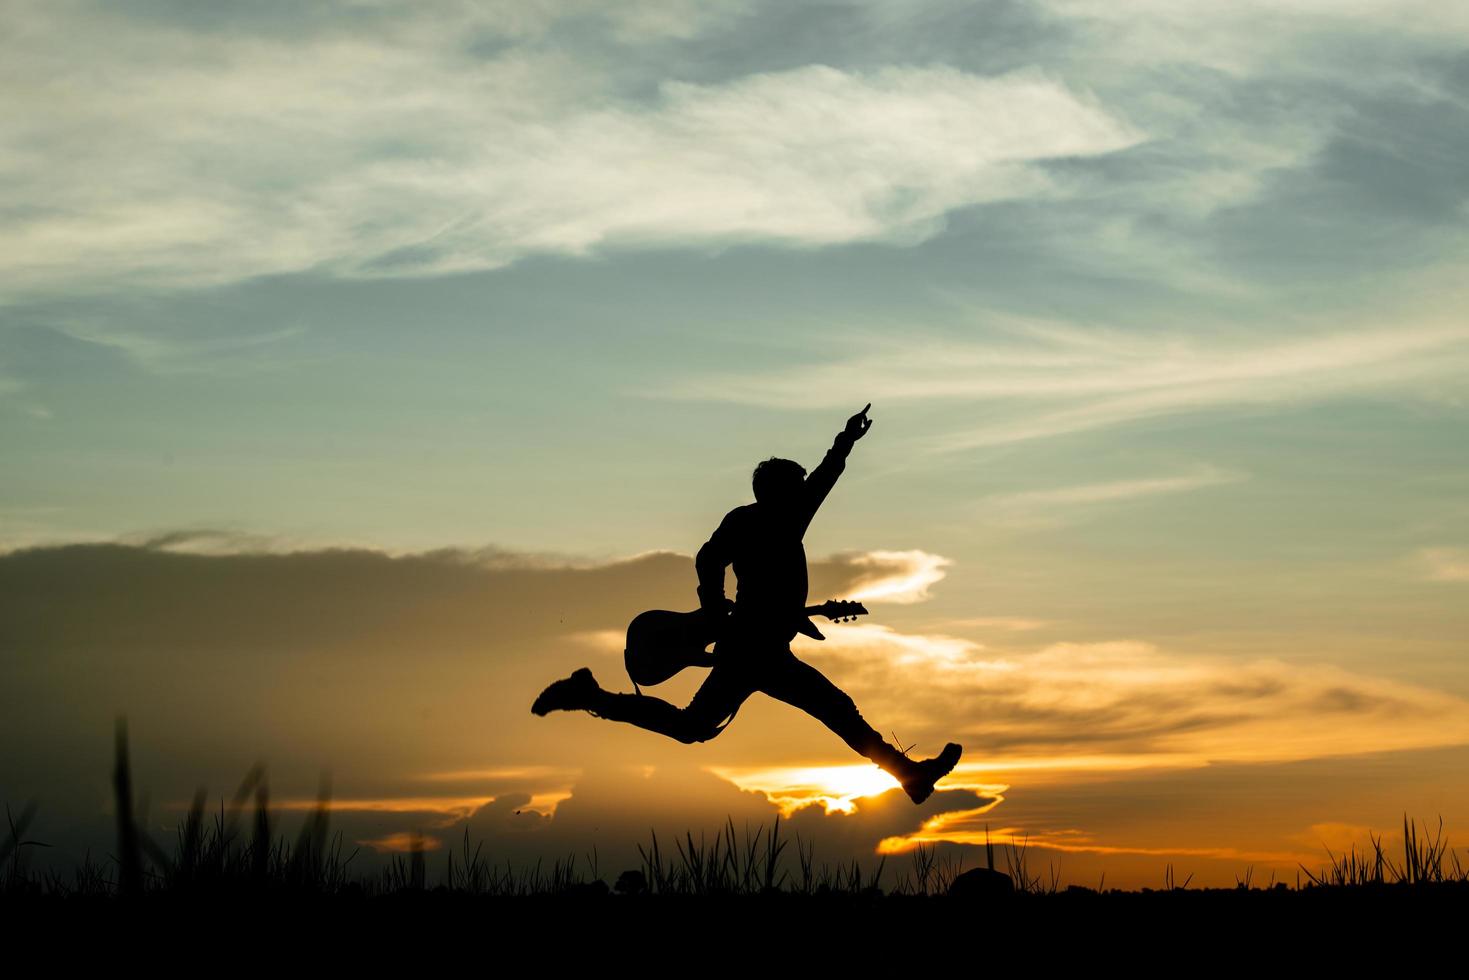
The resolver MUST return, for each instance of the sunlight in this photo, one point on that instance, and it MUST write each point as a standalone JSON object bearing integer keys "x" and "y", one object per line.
{"x": 835, "y": 788}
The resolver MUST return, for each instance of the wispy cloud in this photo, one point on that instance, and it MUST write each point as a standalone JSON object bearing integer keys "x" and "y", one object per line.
{"x": 189, "y": 351}
{"x": 229, "y": 155}
{"x": 1092, "y": 493}
{"x": 1246, "y": 38}
{"x": 1050, "y": 380}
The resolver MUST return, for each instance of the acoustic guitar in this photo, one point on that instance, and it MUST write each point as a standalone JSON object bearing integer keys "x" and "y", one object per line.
{"x": 661, "y": 642}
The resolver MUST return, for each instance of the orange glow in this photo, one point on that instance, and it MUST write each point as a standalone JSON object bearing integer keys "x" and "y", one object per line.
{"x": 403, "y": 842}
{"x": 545, "y": 803}
{"x": 602, "y": 641}
{"x": 1071, "y": 841}
{"x": 448, "y": 809}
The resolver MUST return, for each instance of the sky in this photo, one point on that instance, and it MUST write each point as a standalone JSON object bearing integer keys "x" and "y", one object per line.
{"x": 364, "y": 367}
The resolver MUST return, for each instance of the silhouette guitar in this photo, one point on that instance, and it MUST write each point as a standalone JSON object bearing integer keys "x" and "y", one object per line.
{"x": 660, "y": 642}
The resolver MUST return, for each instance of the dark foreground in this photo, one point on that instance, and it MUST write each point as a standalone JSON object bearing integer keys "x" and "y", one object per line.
{"x": 1211, "y": 928}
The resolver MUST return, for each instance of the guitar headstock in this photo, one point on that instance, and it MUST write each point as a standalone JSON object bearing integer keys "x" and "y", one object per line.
{"x": 841, "y": 610}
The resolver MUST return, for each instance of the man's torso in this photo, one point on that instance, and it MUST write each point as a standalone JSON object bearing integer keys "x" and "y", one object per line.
{"x": 770, "y": 571}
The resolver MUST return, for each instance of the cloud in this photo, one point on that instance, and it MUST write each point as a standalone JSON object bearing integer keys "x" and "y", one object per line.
{"x": 1050, "y": 507}
{"x": 835, "y": 789}
{"x": 1249, "y": 38}
{"x": 1093, "y": 493}
{"x": 383, "y": 140}
{"x": 444, "y": 809}
{"x": 1445, "y": 564}
{"x": 402, "y": 151}
{"x": 321, "y": 655}
{"x": 971, "y": 827}
{"x": 411, "y": 677}
{"x": 1049, "y": 380}
{"x": 900, "y": 577}
{"x": 1128, "y": 703}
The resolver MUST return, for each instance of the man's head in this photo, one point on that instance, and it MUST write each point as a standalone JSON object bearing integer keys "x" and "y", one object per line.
{"x": 777, "y": 481}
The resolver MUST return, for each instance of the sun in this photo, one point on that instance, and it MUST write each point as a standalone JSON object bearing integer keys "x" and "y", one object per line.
{"x": 835, "y": 788}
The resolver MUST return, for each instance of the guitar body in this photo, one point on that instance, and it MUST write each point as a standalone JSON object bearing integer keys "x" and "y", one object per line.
{"x": 661, "y": 642}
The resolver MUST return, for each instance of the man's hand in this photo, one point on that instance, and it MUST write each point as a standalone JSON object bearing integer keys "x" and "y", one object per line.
{"x": 716, "y": 606}
{"x": 858, "y": 425}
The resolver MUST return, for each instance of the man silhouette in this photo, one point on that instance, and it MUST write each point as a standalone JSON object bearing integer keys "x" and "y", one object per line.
{"x": 763, "y": 542}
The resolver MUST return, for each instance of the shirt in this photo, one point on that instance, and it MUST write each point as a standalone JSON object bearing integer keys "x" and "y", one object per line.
{"x": 764, "y": 546}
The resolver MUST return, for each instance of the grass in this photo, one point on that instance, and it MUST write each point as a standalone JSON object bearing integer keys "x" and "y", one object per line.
{"x": 1423, "y": 862}
{"x": 238, "y": 851}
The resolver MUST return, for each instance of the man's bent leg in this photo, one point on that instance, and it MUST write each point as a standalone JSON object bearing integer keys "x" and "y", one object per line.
{"x": 798, "y": 683}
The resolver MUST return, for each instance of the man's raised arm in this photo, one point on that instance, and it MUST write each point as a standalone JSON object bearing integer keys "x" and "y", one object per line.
{"x": 824, "y": 477}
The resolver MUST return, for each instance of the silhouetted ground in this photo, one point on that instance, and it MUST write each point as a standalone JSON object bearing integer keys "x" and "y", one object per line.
{"x": 1071, "y": 926}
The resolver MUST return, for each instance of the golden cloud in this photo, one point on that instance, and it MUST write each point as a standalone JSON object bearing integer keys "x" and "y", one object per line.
{"x": 1120, "y": 703}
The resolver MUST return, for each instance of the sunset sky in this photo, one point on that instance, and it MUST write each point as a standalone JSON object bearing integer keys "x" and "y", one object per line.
{"x": 364, "y": 367}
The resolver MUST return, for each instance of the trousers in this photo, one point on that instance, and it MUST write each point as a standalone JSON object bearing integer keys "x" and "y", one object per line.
{"x": 742, "y": 667}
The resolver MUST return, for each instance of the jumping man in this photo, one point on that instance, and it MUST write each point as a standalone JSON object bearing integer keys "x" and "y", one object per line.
{"x": 763, "y": 542}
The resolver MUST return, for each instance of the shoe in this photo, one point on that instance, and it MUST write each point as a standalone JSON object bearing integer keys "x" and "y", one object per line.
{"x": 919, "y": 785}
{"x": 568, "y": 694}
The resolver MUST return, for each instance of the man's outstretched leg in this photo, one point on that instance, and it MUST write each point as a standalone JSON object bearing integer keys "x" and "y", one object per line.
{"x": 718, "y": 698}
{"x": 798, "y": 683}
